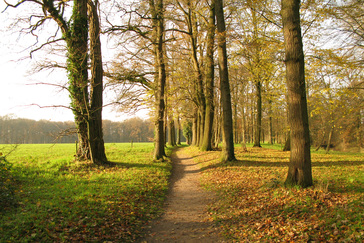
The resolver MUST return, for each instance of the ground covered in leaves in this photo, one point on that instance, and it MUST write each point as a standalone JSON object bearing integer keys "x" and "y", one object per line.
{"x": 253, "y": 205}
{"x": 59, "y": 200}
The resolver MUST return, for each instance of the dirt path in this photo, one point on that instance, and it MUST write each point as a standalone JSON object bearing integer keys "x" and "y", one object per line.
{"x": 185, "y": 218}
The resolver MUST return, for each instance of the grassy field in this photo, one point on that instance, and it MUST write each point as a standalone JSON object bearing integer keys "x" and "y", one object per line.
{"x": 59, "y": 200}
{"x": 253, "y": 205}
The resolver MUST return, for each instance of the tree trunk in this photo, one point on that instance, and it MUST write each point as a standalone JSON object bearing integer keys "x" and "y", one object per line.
{"x": 258, "y": 123}
{"x": 287, "y": 144}
{"x": 96, "y": 140}
{"x": 217, "y": 130}
{"x": 195, "y": 128}
{"x": 253, "y": 121}
{"x": 271, "y": 140}
{"x": 209, "y": 112}
{"x": 171, "y": 132}
{"x": 227, "y": 117}
{"x": 199, "y": 127}
{"x": 158, "y": 29}
{"x": 200, "y": 96}
{"x": 243, "y": 121}
{"x": 322, "y": 141}
{"x": 179, "y": 131}
{"x": 257, "y": 81}
{"x": 235, "y": 122}
{"x": 300, "y": 171}
{"x": 329, "y": 139}
{"x": 76, "y": 39}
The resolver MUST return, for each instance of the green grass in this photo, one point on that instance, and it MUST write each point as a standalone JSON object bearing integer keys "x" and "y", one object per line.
{"x": 254, "y": 206}
{"x": 60, "y": 200}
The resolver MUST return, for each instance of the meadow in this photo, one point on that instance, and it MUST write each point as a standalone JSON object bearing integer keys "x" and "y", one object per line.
{"x": 58, "y": 200}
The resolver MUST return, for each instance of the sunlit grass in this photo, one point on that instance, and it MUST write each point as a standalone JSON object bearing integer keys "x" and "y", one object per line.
{"x": 62, "y": 200}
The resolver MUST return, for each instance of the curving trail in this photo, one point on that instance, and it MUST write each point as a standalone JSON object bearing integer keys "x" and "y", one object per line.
{"x": 185, "y": 218}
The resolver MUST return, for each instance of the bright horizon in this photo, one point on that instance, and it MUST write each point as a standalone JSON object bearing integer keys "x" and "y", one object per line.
{"x": 21, "y": 98}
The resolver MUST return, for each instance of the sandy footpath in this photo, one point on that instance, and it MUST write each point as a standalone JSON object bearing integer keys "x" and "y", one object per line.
{"x": 185, "y": 218}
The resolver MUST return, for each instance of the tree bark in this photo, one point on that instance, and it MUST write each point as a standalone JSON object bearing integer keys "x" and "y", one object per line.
{"x": 96, "y": 141}
{"x": 299, "y": 172}
{"x": 257, "y": 81}
{"x": 258, "y": 123}
{"x": 210, "y": 74}
{"x": 329, "y": 139}
{"x": 271, "y": 140}
{"x": 179, "y": 131}
{"x": 157, "y": 9}
{"x": 200, "y": 96}
{"x": 243, "y": 124}
{"x": 287, "y": 144}
{"x": 76, "y": 39}
{"x": 171, "y": 132}
{"x": 195, "y": 128}
{"x": 227, "y": 118}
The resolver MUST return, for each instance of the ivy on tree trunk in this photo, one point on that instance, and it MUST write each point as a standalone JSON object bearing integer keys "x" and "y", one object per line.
{"x": 76, "y": 39}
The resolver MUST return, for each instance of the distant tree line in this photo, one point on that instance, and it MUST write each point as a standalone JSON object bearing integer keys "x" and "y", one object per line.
{"x": 21, "y": 131}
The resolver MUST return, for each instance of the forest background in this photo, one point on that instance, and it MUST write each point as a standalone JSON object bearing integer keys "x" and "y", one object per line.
{"x": 333, "y": 45}
{"x": 166, "y": 54}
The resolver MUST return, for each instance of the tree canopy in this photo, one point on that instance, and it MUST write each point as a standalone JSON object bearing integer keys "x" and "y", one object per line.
{"x": 165, "y": 58}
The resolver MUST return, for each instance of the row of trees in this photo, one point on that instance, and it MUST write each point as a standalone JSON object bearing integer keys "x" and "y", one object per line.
{"x": 167, "y": 55}
{"x": 21, "y": 131}
{"x": 77, "y": 26}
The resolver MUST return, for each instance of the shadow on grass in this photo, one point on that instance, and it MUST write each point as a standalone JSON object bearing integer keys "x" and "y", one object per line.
{"x": 139, "y": 165}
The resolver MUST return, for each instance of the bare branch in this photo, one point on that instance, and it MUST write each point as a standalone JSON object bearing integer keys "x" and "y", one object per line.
{"x": 49, "y": 84}
{"x": 44, "y": 44}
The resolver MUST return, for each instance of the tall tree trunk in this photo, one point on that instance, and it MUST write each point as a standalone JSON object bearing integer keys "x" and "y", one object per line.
{"x": 198, "y": 128}
{"x": 157, "y": 9}
{"x": 300, "y": 171}
{"x": 217, "y": 127}
{"x": 253, "y": 120}
{"x": 271, "y": 140}
{"x": 96, "y": 140}
{"x": 235, "y": 123}
{"x": 200, "y": 96}
{"x": 179, "y": 131}
{"x": 210, "y": 74}
{"x": 195, "y": 128}
{"x": 258, "y": 123}
{"x": 329, "y": 139}
{"x": 227, "y": 117}
{"x": 243, "y": 121}
{"x": 258, "y": 83}
{"x": 322, "y": 141}
{"x": 171, "y": 132}
{"x": 165, "y": 122}
{"x": 76, "y": 39}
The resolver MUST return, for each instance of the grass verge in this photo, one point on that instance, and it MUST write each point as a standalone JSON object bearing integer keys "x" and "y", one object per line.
{"x": 64, "y": 201}
{"x": 253, "y": 205}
